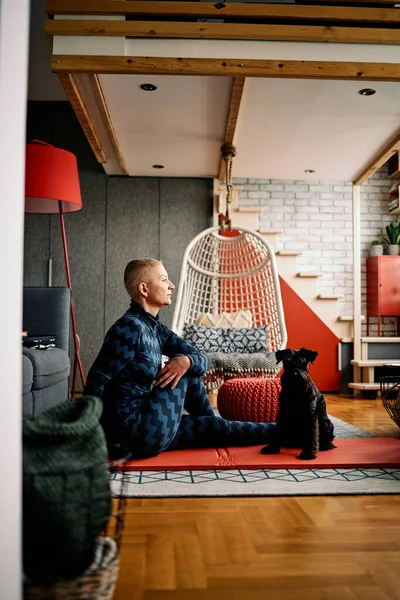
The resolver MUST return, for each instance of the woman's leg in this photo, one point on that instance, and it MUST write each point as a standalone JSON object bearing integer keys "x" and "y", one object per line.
{"x": 197, "y": 403}
{"x": 212, "y": 432}
{"x": 155, "y": 425}
{"x": 162, "y": 425}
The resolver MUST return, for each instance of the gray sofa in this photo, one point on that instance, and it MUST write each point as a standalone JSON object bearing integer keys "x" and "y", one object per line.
{"x": 46, "y": 311}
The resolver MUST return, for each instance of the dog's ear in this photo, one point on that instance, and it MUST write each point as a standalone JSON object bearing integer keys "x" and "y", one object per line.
{"x": 282, "y": 354}
{"x": 309, "y": 355}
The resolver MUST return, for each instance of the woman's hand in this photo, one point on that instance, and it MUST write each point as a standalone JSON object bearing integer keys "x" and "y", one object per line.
{"x": 173, "y": 371}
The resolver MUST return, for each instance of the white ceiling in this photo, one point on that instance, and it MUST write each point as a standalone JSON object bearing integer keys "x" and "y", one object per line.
{"x": 288, "y": 125}
{"x": 181, "y": 125}
{"x": 284, "y": 126}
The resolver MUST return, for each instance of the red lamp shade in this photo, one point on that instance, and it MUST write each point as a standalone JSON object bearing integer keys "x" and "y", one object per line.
{"x": 51, "y": 174}
{"x": 52, "y": 186}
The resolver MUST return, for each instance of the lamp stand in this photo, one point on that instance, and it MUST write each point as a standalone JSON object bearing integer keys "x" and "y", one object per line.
{"x": 77, "y": 356}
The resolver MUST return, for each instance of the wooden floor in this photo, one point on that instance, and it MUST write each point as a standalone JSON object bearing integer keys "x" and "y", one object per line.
{"x": 288, "y": 548}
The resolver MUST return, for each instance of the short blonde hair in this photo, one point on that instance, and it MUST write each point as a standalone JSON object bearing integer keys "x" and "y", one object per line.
{"x": 136, "y": 272}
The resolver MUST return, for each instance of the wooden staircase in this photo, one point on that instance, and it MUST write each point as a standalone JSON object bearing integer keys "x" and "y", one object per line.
{"x": 303, "y": 282}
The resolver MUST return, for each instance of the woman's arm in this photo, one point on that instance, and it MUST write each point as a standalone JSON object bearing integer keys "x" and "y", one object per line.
{"x": 173, "y": 345}
{"x": 119, "y": 347}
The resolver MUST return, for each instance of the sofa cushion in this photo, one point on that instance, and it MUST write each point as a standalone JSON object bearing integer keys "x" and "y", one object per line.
{"x": 27, "y": 375}
{"x": 49, "y": 366}
{"x": 49, "y": 396}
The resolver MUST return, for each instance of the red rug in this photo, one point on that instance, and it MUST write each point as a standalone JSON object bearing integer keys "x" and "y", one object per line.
{"x": 350, "y": 452}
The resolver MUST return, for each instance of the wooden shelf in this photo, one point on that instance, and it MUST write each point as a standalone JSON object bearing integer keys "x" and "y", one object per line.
{"x": 364, "y": 386}
{"x": 380, "y": 340}
{"x": 371, "y": 362}
{"x": 396, "y": 173}
{"x": 394, "y": 194}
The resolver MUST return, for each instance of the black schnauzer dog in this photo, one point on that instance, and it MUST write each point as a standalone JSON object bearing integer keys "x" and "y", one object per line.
{"x": 301, "y": 421}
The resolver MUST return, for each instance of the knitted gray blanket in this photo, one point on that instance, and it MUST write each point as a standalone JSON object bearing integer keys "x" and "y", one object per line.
{"x": 222, "y": 366}
{"x": 66, "y": 492}
{"x": 242, "y": 362}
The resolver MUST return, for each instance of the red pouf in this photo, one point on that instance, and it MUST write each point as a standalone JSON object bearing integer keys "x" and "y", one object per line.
{"x": 253, "y": 399}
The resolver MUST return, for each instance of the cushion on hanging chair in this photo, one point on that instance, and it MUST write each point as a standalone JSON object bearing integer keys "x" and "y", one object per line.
{"x": 222, "y": 367}
{"x": 241, "y": 340}
{"x": 241, "y": 318}
{"x": 236, "y": 362}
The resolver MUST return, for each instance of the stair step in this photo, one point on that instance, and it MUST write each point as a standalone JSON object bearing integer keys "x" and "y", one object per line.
{"x": 269, "y": 231}
{"x": 308, "y": 274}
{"x": 349, "y": 318}
{"x": 329, "y": 297}
{"x": 364, "y": 386}
{"x": 373, "y": 362}
{"x": 380, "y": 340}
{"x": 249, "y": 209}
{"x": 288, "y": 253}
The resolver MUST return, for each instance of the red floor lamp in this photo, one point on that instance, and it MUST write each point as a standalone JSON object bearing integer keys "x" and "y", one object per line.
{"x": 52, "y": 187}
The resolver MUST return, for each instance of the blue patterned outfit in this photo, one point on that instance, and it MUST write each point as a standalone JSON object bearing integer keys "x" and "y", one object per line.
{"x": 149, "y": 419}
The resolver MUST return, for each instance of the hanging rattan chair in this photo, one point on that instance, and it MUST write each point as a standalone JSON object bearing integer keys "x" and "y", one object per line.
{"x": 227, "y": 272}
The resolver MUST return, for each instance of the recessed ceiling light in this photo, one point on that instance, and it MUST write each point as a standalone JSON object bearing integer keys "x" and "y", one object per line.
{"x": 367, "y": 92}
{"x": 158, "y": 166}
{"x": 309, "y": 171}
{"x": 148, "y": 87}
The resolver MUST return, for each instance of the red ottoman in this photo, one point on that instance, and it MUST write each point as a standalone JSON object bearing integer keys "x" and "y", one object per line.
{"x": 253, "y": 399}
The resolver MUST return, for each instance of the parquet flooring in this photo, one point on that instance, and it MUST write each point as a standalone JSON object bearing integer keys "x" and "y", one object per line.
{"x": 272, "y": 548}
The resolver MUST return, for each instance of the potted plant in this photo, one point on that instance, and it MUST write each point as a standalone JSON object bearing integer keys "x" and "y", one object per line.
{"x": 376, "y": 248}
{"x": 392, "y": 238}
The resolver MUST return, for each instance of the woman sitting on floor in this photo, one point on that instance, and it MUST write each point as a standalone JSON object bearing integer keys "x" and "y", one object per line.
{"x": 144, "y": 403}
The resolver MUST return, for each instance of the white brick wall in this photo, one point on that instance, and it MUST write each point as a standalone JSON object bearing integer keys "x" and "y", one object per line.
{"x": 315, "y": 218}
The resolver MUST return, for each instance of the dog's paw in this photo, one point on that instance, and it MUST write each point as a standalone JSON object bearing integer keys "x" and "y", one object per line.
{"x": 329, "y": 446}
{"x": 269, "y": 450}
{"x": 307, "y": 456}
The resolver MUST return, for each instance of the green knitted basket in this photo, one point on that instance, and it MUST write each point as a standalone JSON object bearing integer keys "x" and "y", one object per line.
{"x": 99, "y": 585}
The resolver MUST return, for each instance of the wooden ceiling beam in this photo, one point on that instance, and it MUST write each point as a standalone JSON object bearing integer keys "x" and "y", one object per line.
{"x": 78, "y": 105}
{"x": 233, "y": 114}
{"x": 204, "y": 10}
{"x": 103, "y": 108}
{"x": 223, "y": 31}
{"x": 293, "y": 69}
{"x": 379, "y": 160}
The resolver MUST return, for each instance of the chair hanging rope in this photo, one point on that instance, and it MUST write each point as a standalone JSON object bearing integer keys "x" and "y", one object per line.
{"x": 228, "y": 152}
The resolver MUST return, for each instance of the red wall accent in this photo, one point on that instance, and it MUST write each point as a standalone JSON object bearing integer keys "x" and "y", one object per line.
{"x": 305, "y": 329}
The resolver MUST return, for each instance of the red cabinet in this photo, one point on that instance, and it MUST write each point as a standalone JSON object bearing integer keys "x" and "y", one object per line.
{"x": 383, "y": 288}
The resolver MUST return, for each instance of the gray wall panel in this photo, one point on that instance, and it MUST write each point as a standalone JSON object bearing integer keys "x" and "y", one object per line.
{"x": 56, "y": 248}
{"x": 132, "y": 232}
{"x": 36, "y": 249}
{"x": 185, "y": 210}
{"x": 88, "y": 265}
{"x": 85, "y": 232}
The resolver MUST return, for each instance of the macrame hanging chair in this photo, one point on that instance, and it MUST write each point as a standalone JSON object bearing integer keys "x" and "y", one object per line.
{"x": 228, "y": 271}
